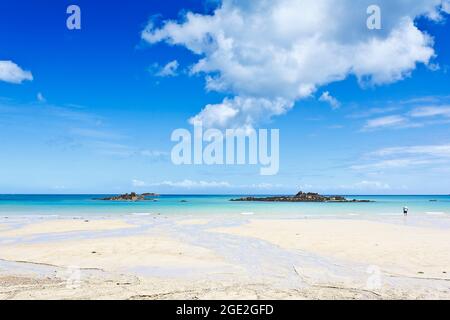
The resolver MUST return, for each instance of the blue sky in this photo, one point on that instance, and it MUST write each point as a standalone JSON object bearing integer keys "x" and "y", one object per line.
{"x": 97, "y": 115}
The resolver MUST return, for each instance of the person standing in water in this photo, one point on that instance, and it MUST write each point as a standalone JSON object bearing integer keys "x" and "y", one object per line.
{"x": 405, "y": 211}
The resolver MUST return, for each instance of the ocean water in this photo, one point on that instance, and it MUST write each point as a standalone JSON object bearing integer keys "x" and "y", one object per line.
{"x": 201, "y": 205}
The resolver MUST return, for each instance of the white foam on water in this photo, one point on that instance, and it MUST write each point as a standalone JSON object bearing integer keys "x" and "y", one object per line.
{"x": 247, "y": 213}
{"x": 38, "y": 216}
{"x": 389, "y": 214}
{"x": 141, "y": 214}
{"x": 435, "y": 213}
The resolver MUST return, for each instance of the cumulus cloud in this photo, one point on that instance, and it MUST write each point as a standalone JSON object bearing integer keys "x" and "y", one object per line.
{"x": 169, "y": 70}
{"x": 446, "y": 6}
{"x": 270, "y": 54}
{"x": 332, "y": 101}
{"x": 241, "y": 111}
{"x": 11, "y": 72}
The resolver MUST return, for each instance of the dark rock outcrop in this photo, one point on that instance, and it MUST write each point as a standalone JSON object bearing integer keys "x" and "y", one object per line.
{"x": 300, "y": 197}
{"x": 150, "y": 194}
{"x": 133, "y": 196}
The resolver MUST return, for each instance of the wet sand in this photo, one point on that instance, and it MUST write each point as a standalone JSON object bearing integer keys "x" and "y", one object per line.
{"x": 236, "y": 257}
{"x": 397, "y": 249}
{"x": 64, "y": 226}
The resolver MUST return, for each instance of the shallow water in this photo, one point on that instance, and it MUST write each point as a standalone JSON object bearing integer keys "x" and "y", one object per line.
{"x": 201, "y": 205}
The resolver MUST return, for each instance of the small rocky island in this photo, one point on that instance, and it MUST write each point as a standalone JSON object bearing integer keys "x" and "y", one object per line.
{"x": 301, "y": 197}
{"x": 133, "y": 196}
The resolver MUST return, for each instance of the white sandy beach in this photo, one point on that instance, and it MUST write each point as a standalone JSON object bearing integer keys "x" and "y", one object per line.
{"x": 160, "y": 257}
{"x": 396, "y": 249}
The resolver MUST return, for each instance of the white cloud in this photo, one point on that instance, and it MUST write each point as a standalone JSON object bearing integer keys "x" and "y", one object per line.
{"x": 11, "y": 72}
{"x": 424, "y": 99}
{"x": 430, "y": 150}
{"x": 154, "y": 154}
{"x": 200, "y": 184}
{"x": 373, "y": 185}
{"x": 262, "y": 186}
{"x": 40, "y": 97}
{"x": 383, "y": 122}
{"x": 189, "y": 184}
{"x": 332, "y": 101}
{"x": 393, "y": 163}
{"x": 367, "y": 185}
{"x": 284, "y": 50}
{"x": 138, "y": 183}
{"x": 267, "y": 185}
{"x": 372, "y": 112}
{"x": 95, "y": 133}
{"x": 430, "y": 111}
{"x": 169, "y": 70}
{"x": 241, "y": 111}
{"x": 402, "y": 157}
{"x": 446, "y": 6}
{"x": 420, "y": 116}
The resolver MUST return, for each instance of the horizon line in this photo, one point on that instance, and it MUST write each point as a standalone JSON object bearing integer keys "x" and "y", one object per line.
{"x": 216, "y": 194}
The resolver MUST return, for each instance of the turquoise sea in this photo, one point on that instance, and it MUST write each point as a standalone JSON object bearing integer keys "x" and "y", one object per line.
{"x": 85, "y": 205}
